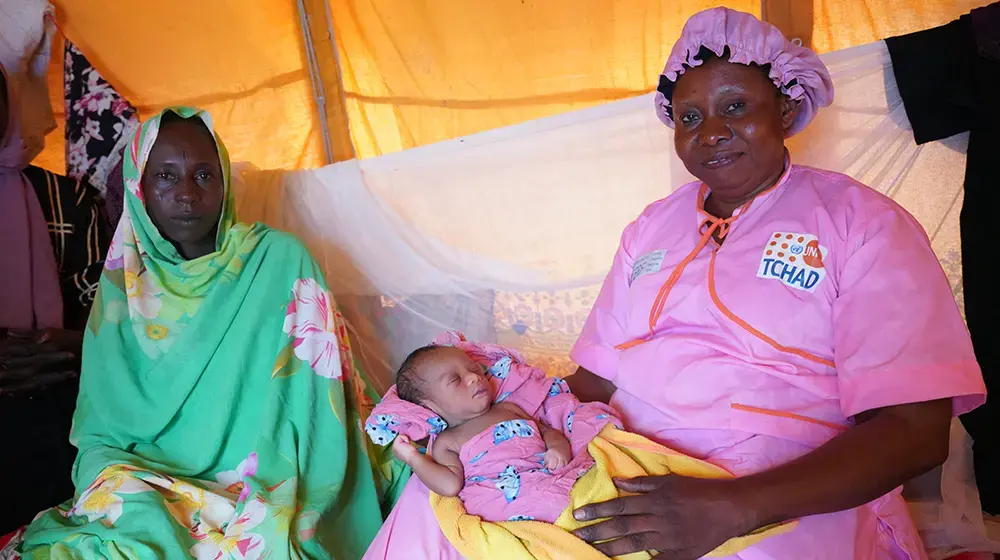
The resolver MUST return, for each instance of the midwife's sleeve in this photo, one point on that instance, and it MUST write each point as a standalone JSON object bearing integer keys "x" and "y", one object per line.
{"x": 898, "y": 332}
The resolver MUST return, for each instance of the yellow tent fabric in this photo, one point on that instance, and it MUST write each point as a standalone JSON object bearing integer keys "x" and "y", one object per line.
{"x": 424, "y": 71}
{"x": 394, "y": 75}
{"x": 838, "y": 24}
{"x": 242, "y": 61}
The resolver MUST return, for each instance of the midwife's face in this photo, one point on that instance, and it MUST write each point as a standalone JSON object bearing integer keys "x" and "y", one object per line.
{"x": 730, "y": 123}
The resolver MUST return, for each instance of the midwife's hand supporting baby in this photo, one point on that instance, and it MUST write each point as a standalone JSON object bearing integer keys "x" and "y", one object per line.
{"x": 682, "y": 518}
{"x": 558, "y": 451}
{"x": 685, "y": 518}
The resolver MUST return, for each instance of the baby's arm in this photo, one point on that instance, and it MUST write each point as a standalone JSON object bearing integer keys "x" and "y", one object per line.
{"x": 558, "y": 451}
{"x": 443, "y": 474}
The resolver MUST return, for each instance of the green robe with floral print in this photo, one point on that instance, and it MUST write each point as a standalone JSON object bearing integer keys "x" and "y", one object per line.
{"x": 221, "y": 408}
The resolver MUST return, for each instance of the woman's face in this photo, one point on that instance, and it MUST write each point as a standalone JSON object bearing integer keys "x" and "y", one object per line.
{"x": 183, "y": 186}
{"x": 730, "y": 123}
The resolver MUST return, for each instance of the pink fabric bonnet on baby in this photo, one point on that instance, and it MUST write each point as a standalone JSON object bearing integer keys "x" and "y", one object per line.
{"x": 796, "y": 70}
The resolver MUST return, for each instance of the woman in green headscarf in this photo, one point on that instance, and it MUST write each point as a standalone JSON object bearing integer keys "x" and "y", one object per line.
{"x": 220, "y": 405}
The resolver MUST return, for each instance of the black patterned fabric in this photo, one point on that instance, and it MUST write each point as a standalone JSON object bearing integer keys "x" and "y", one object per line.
{"x": 80, "y": 238}
{"x": 99, "y": 124}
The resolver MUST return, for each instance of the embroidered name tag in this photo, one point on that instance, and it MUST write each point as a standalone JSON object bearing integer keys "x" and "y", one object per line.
{"x": 796, "y": 259}
{"x": 650, "y": 263}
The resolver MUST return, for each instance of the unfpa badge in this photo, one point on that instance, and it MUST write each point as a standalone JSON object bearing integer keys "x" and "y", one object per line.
{"x": 794, "y": 259}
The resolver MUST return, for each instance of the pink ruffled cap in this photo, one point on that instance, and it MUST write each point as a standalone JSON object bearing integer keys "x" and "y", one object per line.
{"x": 796, "y": 70}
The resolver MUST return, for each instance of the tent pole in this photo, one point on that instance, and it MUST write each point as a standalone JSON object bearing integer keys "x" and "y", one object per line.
{"x": 336, "y": 56}
{"x": 316, "y": 80}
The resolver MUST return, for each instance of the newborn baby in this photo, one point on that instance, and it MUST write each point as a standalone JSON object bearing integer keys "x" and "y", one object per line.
{"x": 512, "y": 444}
{"x": 504, "y": 463}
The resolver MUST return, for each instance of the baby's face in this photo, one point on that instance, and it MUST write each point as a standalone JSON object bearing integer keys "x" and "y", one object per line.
{"x": 456, "y": 387}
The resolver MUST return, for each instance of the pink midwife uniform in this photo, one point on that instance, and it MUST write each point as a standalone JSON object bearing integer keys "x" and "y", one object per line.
{"x": 824, "y": 301}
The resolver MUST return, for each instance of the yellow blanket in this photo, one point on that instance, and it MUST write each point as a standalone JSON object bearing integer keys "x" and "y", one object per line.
{"x": 617, "y": 454}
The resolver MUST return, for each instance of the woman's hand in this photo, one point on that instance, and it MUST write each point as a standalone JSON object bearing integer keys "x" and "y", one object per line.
{"x": 589, "y": 387}
{"x": 688, "y": 518}
{"x": 31, "y": 360}
{"x": 682, "y": 518}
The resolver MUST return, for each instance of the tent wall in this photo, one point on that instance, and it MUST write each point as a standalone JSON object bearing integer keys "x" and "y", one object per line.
{"x": 424, "y": 71}
{"x": 838, "y": 24}
{"x": 242, "y": 61}
{"x": 410, "y": 73}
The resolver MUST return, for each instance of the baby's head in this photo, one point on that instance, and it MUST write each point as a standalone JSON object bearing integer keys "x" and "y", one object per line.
{"x": 445, "y": 380}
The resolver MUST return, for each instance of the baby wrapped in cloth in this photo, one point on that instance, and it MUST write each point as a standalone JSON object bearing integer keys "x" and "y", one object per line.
{"x": 511, "y": 504}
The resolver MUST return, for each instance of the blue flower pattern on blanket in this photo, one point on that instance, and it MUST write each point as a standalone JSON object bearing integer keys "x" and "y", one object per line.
{"x": 501, "y": 369}
{"x": 521, "y": 518}
{"x": 569, "y": 422}
{"x": 381, "y": 431}
{"x": 509, "y": 483}
{"x": 511, "y": 429}
{"x": 503, "y": 396}
{"x": 558, "y": 386}
{"x": 438, "y": 424}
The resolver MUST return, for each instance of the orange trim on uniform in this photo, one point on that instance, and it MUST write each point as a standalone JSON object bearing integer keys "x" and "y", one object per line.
{"x": 790, "y": 415}
{"x": 712, "y": 224}
{"x": 631, "y": 343}
{"x": 746, "y": 326}
{"x": 661, "y": 298}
